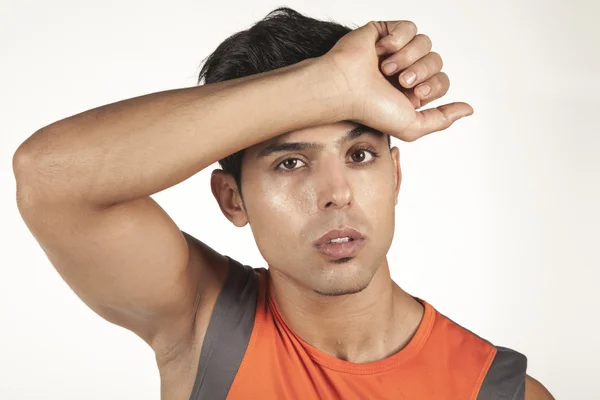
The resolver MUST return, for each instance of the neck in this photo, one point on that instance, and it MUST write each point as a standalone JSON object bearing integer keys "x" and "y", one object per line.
{"x": 362, "y": 327}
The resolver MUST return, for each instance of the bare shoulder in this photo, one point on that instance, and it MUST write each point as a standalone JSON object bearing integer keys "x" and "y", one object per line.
{"x": 211, "y": 269}
{"x": 534, "y": 390}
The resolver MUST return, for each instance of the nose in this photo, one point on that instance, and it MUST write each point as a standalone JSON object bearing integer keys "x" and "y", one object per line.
{"x": 334, "y": 190}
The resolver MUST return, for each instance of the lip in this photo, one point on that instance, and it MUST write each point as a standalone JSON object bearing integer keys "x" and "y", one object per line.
{"x": 336, "y": 233}
{"x": 341, "y": 250}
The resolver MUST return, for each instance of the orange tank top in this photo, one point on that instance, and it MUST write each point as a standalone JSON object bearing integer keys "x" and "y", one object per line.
{"x": 443, "y": 361}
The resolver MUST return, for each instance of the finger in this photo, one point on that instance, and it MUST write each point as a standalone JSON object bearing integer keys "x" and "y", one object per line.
{"x": 421, "y": 70}
{"x": 405, "y": 57}
{"x": 432, "y": 89}
{"x": 438, "y": 87}
{"x": 436, "y": 119}
{"x": 399, "y": 34}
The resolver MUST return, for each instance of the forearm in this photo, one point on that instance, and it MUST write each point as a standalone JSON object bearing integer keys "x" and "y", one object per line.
{"x": 140, "y": 146}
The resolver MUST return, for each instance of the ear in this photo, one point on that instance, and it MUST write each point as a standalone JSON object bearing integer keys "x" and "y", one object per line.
{"x": 226, "y": 193}
{"x": 395, "y": 153}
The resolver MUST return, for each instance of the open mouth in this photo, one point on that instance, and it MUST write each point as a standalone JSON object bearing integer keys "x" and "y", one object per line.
{"x": 341, "y": 248}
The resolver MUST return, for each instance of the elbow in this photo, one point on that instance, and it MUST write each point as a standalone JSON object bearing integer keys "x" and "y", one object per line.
{"x": 26, "y": 169}
{"x": 26, "y": 159}
{"x": 27, "y": 155}
{"x": 22, "y": 160}
{"x": 22, "y": 164}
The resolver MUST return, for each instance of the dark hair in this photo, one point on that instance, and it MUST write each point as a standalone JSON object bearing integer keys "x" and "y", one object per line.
{"x": 283, "y": 37}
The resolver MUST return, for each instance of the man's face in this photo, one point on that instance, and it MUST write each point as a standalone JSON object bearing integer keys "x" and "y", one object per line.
{"x": 293, "y": 196}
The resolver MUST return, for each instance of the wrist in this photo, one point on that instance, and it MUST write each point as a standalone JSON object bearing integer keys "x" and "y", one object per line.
{"x": 329, "y": 89}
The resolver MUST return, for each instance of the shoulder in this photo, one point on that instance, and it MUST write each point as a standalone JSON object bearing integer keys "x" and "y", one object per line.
{"x": 534, "y": 390}
{"x": 507, "y": 374}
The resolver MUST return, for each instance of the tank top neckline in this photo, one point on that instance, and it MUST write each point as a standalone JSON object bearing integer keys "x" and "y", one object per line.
{"x": 403, "y": 356}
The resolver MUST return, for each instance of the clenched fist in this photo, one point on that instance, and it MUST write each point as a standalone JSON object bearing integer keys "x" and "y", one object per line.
{"x": 387, "y": 72}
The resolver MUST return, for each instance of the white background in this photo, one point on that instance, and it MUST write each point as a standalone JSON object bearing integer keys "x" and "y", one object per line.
{"x": 498, "y": 216}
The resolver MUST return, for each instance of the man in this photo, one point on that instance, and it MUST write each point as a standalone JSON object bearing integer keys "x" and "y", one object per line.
{"x": 305, "y": 109}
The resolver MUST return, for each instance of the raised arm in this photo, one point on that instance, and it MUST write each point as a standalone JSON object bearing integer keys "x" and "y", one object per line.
{"x": 84, "y": 186}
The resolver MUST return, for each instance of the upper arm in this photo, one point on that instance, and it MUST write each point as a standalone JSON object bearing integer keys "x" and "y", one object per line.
{"x": 130, "y": 264}
{"x": 534, "y": 390}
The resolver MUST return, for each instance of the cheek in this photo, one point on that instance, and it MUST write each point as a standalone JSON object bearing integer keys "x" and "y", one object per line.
{"x": 375, "y": 191}
{"x": 279, "y": 200}
{"x": 288, "y": 198}
{"x": 292, "y": 201}
{"x": 280, "y": 211}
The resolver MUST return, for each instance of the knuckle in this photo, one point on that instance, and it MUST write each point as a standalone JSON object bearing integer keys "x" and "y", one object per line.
{"x": 422, "y": 71}
{"x": 394, "y": 40}
{"x": 379, "y": 25}
{"x": 445, "y": 89}
{"x": 443, "y": 82}
{"x": 438, "y": 88}
{"x": 409, "y": 26}
{"x": 410, "y": 58}
{"x": 426, "y": 40}
{"x": 437, "y": 59}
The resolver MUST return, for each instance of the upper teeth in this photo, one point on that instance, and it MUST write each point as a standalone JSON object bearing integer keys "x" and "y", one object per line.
{"x": 339, "y": 240}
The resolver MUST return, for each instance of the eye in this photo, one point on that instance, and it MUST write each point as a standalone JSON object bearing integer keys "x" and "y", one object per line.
{"x": 288, "y": 164}
{"x": 362, "y": 156}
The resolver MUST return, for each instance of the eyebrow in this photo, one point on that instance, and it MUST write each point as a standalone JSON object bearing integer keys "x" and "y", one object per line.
{"x": 279, "y": 147}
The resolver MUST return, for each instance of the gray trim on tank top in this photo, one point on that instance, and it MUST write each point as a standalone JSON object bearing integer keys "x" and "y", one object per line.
{"x": 505, "y": 379}
{"x": 228, "y": 334}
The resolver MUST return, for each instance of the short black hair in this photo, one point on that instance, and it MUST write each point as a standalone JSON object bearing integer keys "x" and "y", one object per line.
{"x": 282, "y": 38}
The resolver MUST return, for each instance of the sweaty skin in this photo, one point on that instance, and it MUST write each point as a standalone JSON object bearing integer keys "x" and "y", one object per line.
{"x": 351, "y": 308}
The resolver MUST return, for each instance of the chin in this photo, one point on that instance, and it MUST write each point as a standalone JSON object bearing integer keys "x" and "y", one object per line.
{"x": 334, "y": 292}
{"x": 342, "y": 280}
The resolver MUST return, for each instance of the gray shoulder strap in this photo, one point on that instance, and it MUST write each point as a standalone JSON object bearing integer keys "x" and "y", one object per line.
{"x": 505, "y": 379}
{"x": 228, "y": 333}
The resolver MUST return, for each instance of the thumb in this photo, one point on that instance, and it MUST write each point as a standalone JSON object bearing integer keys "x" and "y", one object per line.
{"x": 436, "y": 119}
